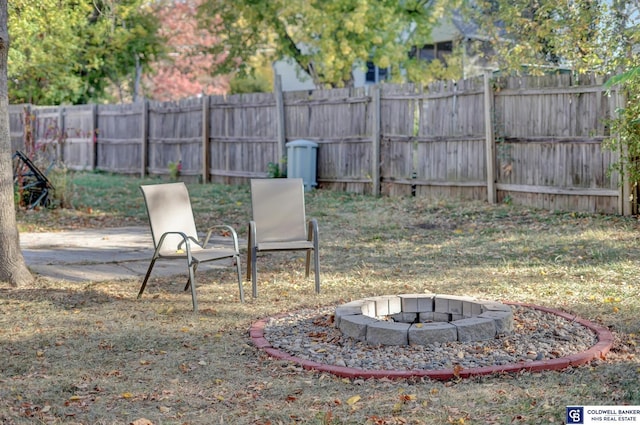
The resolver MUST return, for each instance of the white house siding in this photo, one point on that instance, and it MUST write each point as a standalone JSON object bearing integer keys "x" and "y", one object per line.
{"x": 294, "y": 78}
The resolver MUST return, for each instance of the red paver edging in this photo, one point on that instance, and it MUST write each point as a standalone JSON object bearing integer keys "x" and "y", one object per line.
{"x": 597, "y": 351}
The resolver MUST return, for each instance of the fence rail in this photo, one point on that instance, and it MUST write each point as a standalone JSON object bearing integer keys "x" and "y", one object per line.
{"x": 527, "y": 140}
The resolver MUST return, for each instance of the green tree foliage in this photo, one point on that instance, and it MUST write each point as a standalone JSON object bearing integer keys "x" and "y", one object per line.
{"x": 45, "y": 44}
{"x": 626, "y": 128}
{"x": 72, "y": 51}
{"x": 326, "y": 38}
{"x": 259, "y": 82}
{"x": 124, "y": 42}
{"x": 585, "y": 36}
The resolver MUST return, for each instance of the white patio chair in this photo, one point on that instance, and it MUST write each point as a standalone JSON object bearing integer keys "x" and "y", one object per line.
{"x": 175, "y": 236}
{"x": 279, "y": 224}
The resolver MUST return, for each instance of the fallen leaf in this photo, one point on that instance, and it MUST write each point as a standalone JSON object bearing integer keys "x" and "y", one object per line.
{"x": 353, "y": 400}
{"x": 408, "y": 397}
{"x": 141, "y": 421}
{"x": 456, "y": 370}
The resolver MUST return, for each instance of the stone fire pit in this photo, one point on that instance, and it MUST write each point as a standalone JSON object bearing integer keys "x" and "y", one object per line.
{"x": 423, "y": 319}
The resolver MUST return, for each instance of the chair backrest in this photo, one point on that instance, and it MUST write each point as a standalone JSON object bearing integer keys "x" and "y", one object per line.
{"x": 277, "y": 207}
{"x": 169, "y": 210}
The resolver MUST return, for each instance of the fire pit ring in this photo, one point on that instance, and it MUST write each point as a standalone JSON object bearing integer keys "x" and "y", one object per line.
{"x": 423, "y": 319}
{"x": 597, "y": 351}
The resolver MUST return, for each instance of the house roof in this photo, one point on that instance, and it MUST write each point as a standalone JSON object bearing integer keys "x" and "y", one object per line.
{"x": 468, "y": 28}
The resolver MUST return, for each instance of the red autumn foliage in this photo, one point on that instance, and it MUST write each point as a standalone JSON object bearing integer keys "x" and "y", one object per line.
{"x": 187, "y": 71}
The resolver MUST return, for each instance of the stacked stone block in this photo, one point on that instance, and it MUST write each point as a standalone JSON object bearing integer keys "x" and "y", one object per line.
{"x": 423, "y": 319}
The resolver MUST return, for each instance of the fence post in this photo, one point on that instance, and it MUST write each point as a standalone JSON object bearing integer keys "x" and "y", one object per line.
{"x": 28, "y": 130}
{"x": 94, "y": 138}
{"x": 144, "y": 137}
{"x": 205, "y": 139}
{"x": 61, "y": 135}
{"x": 375, "y": 139}
{"x": 490, "y": 147}
{"x": 281, "y": 137}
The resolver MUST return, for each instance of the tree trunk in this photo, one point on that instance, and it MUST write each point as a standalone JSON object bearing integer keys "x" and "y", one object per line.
{"x": 12, "y": 266}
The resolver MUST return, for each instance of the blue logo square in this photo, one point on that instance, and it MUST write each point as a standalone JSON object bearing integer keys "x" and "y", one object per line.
{"x": 575, "y": 415}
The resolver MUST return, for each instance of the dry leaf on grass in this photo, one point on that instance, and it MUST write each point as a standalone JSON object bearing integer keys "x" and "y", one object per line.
{"x": 141, "y": 421}
{"x": 353, "y": 400}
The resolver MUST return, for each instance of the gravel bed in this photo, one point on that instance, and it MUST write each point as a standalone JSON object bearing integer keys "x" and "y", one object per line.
{"x": 538, "y": 335}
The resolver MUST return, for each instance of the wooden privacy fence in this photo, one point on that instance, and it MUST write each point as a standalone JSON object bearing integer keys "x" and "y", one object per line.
{"x": 535, "y": 141}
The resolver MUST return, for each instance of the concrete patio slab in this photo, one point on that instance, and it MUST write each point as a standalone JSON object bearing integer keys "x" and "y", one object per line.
{"x": 98, "y": 255}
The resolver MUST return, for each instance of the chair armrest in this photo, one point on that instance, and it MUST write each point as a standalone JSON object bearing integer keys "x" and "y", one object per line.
{"x": 312, "y": 229}
{"x": 185, "y": 242}
{"x": 231, "y": 230}
{"x": 251, "y": 235}
{"x": 187, "y": 239}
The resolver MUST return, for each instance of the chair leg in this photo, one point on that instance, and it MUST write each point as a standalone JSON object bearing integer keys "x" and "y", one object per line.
{"x": 313, "y": 232}
{"x": 146, "y": 277}
{"x": 316, "y": 267}
{"x": 249, "y": 244}
{"x": 187, "y": 284}
{"x": 254, "y": 273}
{"x": 192, "y": 277}
{"x": 307, "y": 264}
{"x": 195, "y": 266}
{"x": 238, "y": 268}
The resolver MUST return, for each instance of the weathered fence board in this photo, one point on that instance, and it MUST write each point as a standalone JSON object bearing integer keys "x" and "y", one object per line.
{"x": 549, "y": 149}
{"x": 17, "y": 116}
{"x": 451, "y": 161}
{"x": 242, "y": 137}
{"x": 398, "y": 117}
{"x": 540, "y": 136}
{"x": 48, "y": 132}
{"x": 340, "y": 121}
{"x": 118, "y": 138}
{"x": 78, "y": 146}
{"x": 175, "y": 137}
